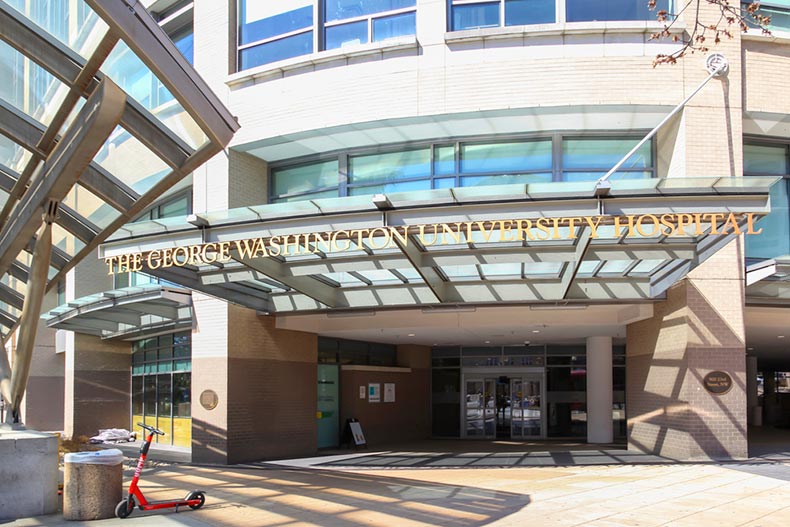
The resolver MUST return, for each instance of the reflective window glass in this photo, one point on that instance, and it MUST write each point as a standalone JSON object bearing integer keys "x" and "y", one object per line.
{"x": 343, "y": 9}
{"x": 394, "y": 26}
{"x": 590, "y": 10}
{"x": 261, "y": 20}
{"x": 604, "y": 153}
{"x": 775, "y": 238}
{"x": 778, "y": 10}
{"x": 389, "y": 166}
{"x": 347, "y": 34}
{"x": 405, "y": 186}
{"x": 765, "y": 159}
{"x": 473, "y": 16}
{"x": 523, "y": 12}
{"x": 505, "y": 179}
{"x": 285, "y": 48}
{"x": 444, "y": 160}
{"x": 305, "y": 178}
{"x": 506, "y": 157}
{"x": 185, "y": 42}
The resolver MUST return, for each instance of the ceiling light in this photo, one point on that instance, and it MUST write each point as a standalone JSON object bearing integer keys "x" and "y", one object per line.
{"x": 780, "y": 337}
{"x": 749, "y": 349}
{"x": 536, "y": 331}
{"x": 487, "y": 342}
{"x": 411, "y": 334}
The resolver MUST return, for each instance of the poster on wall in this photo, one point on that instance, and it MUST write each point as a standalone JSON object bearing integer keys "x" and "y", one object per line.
{"x": 389, "y": 392}
{"x": 374, "y": 392}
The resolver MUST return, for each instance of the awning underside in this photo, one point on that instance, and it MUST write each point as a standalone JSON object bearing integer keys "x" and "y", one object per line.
{"x": 768, "y": 281}
{"x": 131, "y": 311}
{"x": 471, "y": 268}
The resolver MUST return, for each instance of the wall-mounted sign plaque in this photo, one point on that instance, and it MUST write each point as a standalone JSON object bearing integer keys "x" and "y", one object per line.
{"x": 718, "y": 382}
{"x": 209, "y": 399}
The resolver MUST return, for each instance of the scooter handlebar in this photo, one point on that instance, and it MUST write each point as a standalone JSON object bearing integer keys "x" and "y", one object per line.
{"x": 151, "y": 429}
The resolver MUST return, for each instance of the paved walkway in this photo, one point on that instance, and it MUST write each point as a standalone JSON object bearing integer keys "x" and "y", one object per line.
{"x": 298, "y": 493}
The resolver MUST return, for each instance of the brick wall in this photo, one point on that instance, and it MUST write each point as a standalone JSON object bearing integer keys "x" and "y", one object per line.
{"x": 272, "y": 389}
{"x": 698, "y": 329}
{"x": 99, "y": 377}
{"x": 408, "y": 418}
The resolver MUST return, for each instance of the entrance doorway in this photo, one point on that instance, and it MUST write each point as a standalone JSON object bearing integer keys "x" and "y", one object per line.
{"x": 504, "y": 407}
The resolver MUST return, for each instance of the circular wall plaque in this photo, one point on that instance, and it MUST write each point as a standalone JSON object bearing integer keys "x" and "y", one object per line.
{"x": 718, "y": 382}
{"x": 209, "y": 399}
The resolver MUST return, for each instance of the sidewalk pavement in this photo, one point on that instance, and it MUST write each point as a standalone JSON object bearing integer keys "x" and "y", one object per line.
{"x": 318, "y": 492}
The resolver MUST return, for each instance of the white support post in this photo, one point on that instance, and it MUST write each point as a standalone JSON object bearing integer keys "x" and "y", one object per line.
{"x": 599, "y": 390}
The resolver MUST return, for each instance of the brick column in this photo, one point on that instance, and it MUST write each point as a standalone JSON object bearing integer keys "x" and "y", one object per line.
{"x": 699, "y": 328}
{"x": 266, "y": 382}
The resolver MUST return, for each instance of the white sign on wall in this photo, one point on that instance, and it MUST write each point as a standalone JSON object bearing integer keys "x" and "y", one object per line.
{"x": 362, "y": 392}
{"x": 389, "y": 392}
{"x": 374, "y": 392}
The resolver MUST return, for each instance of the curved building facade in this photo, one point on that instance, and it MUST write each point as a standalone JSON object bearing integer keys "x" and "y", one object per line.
{"x": 418, "y": 226}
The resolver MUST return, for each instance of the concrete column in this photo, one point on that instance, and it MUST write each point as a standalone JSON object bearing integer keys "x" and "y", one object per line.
{"x": 599, "y": 390}
{"x": 751, "y": 390}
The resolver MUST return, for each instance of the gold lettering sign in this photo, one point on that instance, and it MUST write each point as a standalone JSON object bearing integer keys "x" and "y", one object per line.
{"x": 513, "y": 230}
{"x": 718, "y": 382}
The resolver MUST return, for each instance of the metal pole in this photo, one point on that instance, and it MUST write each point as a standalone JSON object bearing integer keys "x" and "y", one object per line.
{"x": 31, "y": 311}
{"x": 717, "y": 65}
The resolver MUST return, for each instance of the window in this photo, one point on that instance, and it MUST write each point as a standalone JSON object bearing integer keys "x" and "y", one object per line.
{"x": 351, "y": 22}
{"x": 778, "y": 10}
{"x": 468, "y": 14}
{"x": 462, "y": 164}
{"x": 161, "y": 386}
{"x": 770, "y": 159}
{"x": 273, "y": 31}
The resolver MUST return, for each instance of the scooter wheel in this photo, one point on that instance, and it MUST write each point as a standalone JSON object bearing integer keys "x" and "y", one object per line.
{"x": 197, "y": 495}
{"x": 124, "y": 508}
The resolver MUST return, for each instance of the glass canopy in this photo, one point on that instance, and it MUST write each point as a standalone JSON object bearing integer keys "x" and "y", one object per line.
{"x": 74, "y": 112}
{"x": 446, "y": 247}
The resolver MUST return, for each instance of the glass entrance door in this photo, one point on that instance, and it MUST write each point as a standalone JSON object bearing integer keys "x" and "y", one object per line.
{"x": 479, "y": 408}
{"x": 526, "y": 421}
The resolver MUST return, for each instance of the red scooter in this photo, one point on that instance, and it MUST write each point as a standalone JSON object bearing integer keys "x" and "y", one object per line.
{"x": 193, "y": 500}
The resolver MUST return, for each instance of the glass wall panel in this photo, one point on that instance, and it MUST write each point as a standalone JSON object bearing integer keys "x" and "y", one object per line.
{"x": 343, "y": 9}
{"x": 765, "y": 159}
{"x": 347, "y": 34}
{"x": 305, "y": 178}
{"x": 506, "y": 157}
{"x": 474, "y": 181}
{"x": 590, "y": 10}
{"x": 446, "y": 402}
{"x": 444, "y": 160}
{"x": 524, "y": 12}
{"x": 474, "y": 16}
{"x": 284, "y": 48}
{"x": 164, "y": 396}
{"x": 770, "y": 159}
{"x": 775, "y": 238}
{"x": 778, "y": 10}
{"x": 604, "y": 153}
{"x": 260, "y": 20}
{"x": 387, "y": 167}
{"x": 394, "y": 26}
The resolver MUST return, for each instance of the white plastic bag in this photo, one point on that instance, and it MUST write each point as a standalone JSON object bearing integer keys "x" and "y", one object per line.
{"x": 112, "y": 456}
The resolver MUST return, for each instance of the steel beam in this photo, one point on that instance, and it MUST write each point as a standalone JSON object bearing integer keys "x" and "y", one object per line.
{"x": 442, "y": 290}
{"x": 307, "y": 285}
{"x": 66, "y": 65}
{"x": 152, "y": 45}
{"x": 83, "y": 139}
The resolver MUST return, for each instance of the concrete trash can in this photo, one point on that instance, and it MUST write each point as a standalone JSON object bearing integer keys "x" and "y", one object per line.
{"x": 92, "y": 484}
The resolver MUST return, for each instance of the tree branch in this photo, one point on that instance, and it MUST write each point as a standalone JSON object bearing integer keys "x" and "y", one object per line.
{"x": 700, "y": 34}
